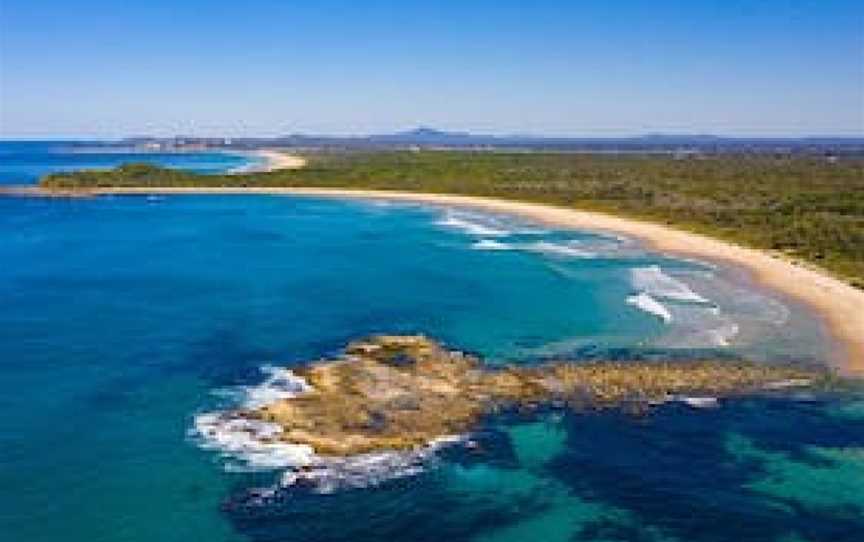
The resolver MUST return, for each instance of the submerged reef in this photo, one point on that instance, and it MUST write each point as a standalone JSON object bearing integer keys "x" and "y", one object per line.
{"x": 399, "y": 393}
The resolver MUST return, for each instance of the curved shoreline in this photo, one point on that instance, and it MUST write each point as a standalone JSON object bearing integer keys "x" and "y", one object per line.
{"x": 276, "y": 160}
{"x": 838, "y": 303}
{"x": 271, "y": 160}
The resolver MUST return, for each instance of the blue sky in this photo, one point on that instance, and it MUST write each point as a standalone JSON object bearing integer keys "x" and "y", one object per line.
{"x": 598, "y": 68}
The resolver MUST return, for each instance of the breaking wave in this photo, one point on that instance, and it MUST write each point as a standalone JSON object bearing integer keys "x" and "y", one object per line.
{"x": 331, "y": 474}
{"x": 280, "y": 384}
{"x": 697, "y": 326}
{"x": 691, "y": 317}
{"x": 491, "y": 244}
{"x": 472, "y": 225}
{"x": 650, "y": 305}
{"x": 253, "y": 445}
{"x": 569, "y": 249}
{"x": 484, "y": 225}
{"x": 561, "y": 249}
{"x": 249, "y": 444}
{"x": 653, "y": 281}
{"x": 694, "y": 321}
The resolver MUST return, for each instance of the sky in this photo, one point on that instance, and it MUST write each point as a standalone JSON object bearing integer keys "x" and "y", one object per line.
{"x": 110, "y": 68}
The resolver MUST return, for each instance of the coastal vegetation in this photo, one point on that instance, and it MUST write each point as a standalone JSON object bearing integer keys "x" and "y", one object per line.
{"x": 403, "y": 392}
{"x": 810, "y": 208}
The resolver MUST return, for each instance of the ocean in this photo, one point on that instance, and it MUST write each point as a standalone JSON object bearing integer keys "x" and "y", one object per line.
{"x": 23, "y": 162}
{"x": 126, "y": 320}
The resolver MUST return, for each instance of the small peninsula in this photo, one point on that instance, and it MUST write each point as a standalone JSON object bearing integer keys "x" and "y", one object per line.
{"x": 393, "y": 393}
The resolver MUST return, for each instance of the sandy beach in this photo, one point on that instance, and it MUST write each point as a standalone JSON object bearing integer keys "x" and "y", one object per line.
{"x": 840, "y": 305}
{"x": 273, "y": 160}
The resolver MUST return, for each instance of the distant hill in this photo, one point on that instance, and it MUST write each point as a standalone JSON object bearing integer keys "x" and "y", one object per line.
{"x": 426, "y": 137}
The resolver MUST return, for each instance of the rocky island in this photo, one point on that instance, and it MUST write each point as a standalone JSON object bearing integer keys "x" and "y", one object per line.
{"x": 395, "y": 393}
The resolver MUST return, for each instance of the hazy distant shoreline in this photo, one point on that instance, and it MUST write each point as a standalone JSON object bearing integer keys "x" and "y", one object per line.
{"x": 270, "y": 160}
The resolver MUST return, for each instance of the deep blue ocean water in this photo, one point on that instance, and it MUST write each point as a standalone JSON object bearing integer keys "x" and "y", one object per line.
{"x": 124, "y": 318}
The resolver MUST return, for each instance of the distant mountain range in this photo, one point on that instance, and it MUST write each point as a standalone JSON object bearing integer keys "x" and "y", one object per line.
{"x": 425, "y": 137}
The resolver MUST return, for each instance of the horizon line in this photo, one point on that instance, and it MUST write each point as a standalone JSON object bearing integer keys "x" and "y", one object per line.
{"x": 441, "y": 132}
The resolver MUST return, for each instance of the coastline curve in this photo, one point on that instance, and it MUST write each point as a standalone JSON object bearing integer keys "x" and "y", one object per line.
{"x": 839, "y": 304}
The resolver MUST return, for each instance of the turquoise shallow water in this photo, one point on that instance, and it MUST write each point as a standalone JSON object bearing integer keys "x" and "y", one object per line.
{"x": 123, "y": 318}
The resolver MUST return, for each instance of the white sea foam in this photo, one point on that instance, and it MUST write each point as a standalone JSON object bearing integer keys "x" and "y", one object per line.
{"x": 254, "y": 443}
{"x": 473, "y": 225}
{"x": 569, "y": 249}
{"x": 723, "y": 334}
{"x": 698, "y": 326}
{"x": 332, "y": 474}
{"x": 280, "y": 384}
{"x": 695, "y": 321}
{"x": 646, "y": 303}
{"x": 788, "y": 383}
{"x": 491, "y": 244}
{"x": 486, "y": 225}
{"x": 698, "y": 402}
{"x": 652, "y": 280}
{"x": 249, "y": 444}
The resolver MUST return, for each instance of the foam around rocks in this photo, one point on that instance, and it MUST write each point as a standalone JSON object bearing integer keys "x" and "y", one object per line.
{"x": 390, "y": 394}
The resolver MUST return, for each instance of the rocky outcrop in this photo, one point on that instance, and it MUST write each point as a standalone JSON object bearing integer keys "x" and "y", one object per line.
{"x": 401, "y": 392}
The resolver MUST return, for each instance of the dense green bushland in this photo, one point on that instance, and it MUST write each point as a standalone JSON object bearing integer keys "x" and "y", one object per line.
{"x": 807, "y": 207}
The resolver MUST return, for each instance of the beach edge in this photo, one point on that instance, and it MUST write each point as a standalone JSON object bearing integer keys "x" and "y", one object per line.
{"x": 270, "y": 160}
{"x": 840, "y": 305}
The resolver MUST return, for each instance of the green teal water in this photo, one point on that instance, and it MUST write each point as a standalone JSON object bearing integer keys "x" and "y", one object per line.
{"x": 122, "y": 318}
